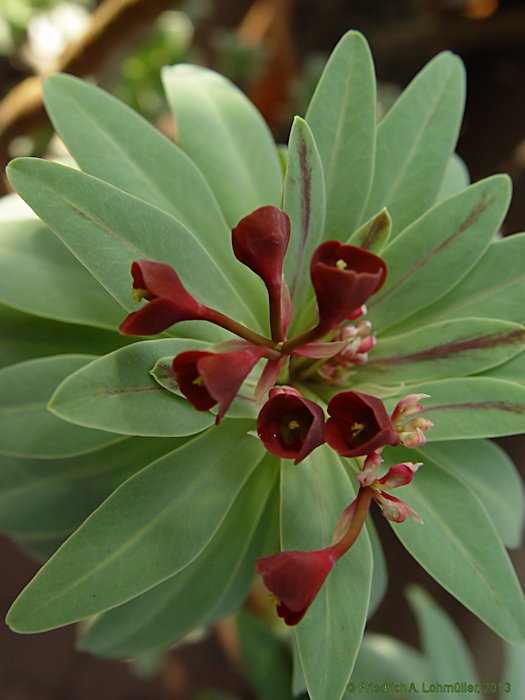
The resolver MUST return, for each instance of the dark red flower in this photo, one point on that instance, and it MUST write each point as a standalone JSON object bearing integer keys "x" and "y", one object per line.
{"x": 295, "y": 578}
{"x": 169, "y": 301}
{"x": 343, "y": 277}
{"x": 358, "y": 424}
{"x": 207, "y": 378}
{"x": 289, "y": 425}
{"x": 260, "y": 241}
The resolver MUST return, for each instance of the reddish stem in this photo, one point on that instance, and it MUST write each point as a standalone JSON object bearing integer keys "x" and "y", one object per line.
{"x": 361, "y": 504}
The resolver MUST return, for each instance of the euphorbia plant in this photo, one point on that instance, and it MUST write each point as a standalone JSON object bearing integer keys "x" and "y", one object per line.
{"x": 327, "y": 329}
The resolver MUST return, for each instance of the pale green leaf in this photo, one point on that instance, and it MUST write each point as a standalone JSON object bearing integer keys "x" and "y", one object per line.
{"x": 447, "y": 349}
{"x": 313, "y": 497}
{"x": 118, "y": 393}
{"x": 456, "y": 178}
{"x": 150, "y": 528}
{"x": 415, "y": 141}
{"x": 471, "y": 407}
{"x": 374, "y": 234}
{"x": 107, "y": 229}
{"x": 28, "y": 429}
{"x": 225, "y": 136}
{"x": 459, "y": 547}
{"x": 342, "y": 117}
{"x": 511, "y": 371}
{"x": 379, "y": 573}
{"x": 487, "y": 471}
{"x": 447, "y": 653}
{"x": 437, "y": 250}
{"x": 513, "y": 676}
{"x": 112, "y": 142}
{"x": 40, "y": 276}
{"x": 210, "y": 587}
{"x": 304, "y": 201}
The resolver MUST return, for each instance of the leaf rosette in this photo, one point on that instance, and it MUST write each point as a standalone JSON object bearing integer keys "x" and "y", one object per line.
{"x": 376, "y": 310}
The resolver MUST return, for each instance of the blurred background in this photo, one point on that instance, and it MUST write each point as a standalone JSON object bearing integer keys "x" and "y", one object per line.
{"x": 274, "y": 50}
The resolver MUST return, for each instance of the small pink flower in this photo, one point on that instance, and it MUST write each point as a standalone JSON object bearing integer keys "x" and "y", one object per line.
{"x": 344, "y": 277}
{"x": 169, "y": 301}
{"x": 411, "y": 432}
{"x": 358, "y": 424}
{"x": 289, "y": 425}
{"x": 295, "y": 578}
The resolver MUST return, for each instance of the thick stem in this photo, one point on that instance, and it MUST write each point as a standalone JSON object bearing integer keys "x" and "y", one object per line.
{"x": 242, "y": 331}
{"x": 307, "y": 337}
{"x": 361, "y": 506}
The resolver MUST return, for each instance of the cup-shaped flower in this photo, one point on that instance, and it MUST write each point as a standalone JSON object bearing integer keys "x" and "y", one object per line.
{"x": 295, "y": 578}
{"x": 343, "y": 277}
{"x": 358, "y": 424}
{"x": 289, "y": 425}
{"x": 207, "y": 378}
{"x": 260, "y": 241}
{"x": 169, "y": 301}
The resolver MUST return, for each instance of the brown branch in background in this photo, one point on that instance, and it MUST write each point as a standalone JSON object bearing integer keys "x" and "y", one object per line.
{"x": 111, "y": 25}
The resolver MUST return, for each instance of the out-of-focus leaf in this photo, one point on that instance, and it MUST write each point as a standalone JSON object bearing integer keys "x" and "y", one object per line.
{"x": 151, "y": 527}
{"x": 342, "y": 117}
{"x": 28, "y": 429}
{"x": 456, "y": 178}
{"x": 222, "y": 132}
{"x": 415, "y": 141}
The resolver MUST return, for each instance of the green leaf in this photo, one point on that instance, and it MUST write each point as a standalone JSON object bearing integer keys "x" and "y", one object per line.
{"x": 456, "y": 178}
{"x": 28, "y": 428}
{"x": 513, "y": 676}
{"x": 226, "y": 138}
{"x": 447, "y": 653}
{"x": 511, "y": 371}
{"x": 415, "y": 141}
{"x": 49, "y": 499}
{"x": 438, "y": 249}
{"x": 150, "y": 528}
{"x": 118, "y": 393}
{"x": 26, "y": 337}
{"x": 304, "y": 201}
{"x": 112, "y": 142}
{"x": 342, "y": 117}
{"x": 385, "y": 660}
{"x": 459, "y": 547}
{"x": 107, "y": 229}
{"x": 40, "y": 276}
{"x": 313, "y": 497}
{"x": 494, "y": 288}
{"x": 243, "y": 405}
{"x": 211, "y": 586}
{"x": 490, "y": 474}
{"x": 266, "y": 658}
{"x": 441, "y": 350}
{"x": 472, "y": 407}
{"x": 373, "y": 235}
{"x": 379, "y": 573}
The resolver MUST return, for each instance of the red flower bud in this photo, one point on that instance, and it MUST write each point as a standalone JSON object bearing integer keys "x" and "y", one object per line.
{"x": 343, "y": 277}
{"x": 207, "y": 378}
{"x": 295, "y": 578}
{"x": 358, "y": 424}
{"x": 169, "y": 300}
{"x": 289, "y": 425}
{"x": 260, "y": 241}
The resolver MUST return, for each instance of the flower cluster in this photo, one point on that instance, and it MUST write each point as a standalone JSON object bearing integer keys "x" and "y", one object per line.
{"x": 289, "y": 424}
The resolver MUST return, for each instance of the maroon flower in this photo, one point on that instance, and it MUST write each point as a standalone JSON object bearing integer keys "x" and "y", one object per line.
{"x": 295, "y": 578}
{"x": 289, "y": 425}
{"x": 358, "y": 424}
{"x": 343, "y": 277}
{"x": 260, "y": 241}
{"x": 169, "y": 301}
{"x": 207, "y": 378}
